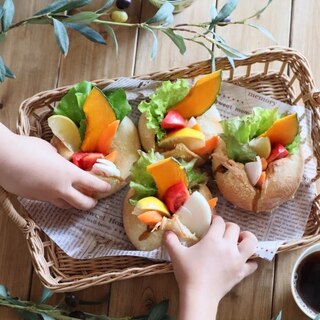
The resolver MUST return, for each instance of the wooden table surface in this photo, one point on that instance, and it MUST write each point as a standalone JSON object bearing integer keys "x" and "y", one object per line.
{"x": 34, "y": 56}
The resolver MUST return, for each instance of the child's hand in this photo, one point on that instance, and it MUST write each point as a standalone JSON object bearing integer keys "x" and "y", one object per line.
{"x": 206, "y": 271}
{"x": 31, "y": 167}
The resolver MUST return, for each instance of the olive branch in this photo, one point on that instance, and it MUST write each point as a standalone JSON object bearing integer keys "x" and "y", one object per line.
{"x": 60, "y": 15}
{"x": 65, "y": 309}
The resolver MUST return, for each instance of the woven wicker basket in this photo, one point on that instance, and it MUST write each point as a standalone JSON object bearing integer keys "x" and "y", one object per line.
{"x": 284, "y": 75}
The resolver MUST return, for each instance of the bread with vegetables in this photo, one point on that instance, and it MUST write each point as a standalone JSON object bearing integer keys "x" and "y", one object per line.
{"x": 182, "y": 121}
{"x": 258, "y": 163}
{"x": 166, "y": 194}
{"x": 90, "y": 128}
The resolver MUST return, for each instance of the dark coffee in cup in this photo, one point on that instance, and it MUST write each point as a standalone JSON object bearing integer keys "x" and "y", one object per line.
{"x": 308, "y": 281}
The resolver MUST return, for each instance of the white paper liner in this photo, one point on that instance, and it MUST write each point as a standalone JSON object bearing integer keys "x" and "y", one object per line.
{"x": 100, "y": 232}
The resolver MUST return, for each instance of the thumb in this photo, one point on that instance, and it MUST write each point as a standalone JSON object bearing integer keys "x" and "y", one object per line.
{"x": 172, "y": 244}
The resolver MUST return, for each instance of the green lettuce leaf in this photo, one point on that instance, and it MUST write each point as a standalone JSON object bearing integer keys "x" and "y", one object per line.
{"x": 237, "y": 132}
{"x": 71, "y": 104}
{"x": 141, "y": 180}
{"x": 195, "y": 177}
{"x": 119, "y": 103}
{"x": 294, "y": 145}
{"x": 166, "y": 96}
{"x": 143, "y": 183}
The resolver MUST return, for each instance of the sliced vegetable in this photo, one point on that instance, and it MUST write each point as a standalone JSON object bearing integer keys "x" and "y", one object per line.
{"x": 99, "y": 114}
{"x": 253, "y": 170}
{"x": 278, "y": 152}
{"x": 192, "y": 139}
{"x": 212, "y": 202}
{"x": 106, "y": 137}
{"x": 262, "y": 146}
{"x": 209, "y": 146}
{"x": 201, "y": 96}
{"x": 86, "y": 160}
{"x": 173, "y": 120}
{"x": 150, "y": 203}
{"x": 167, "y": 173}
{"x": 264, "y": 164}
{"x": 261, "y": 180}
{"x": 284, "y": 130}
{"x": 150, "y": 218}
{"x": 112, "y": 156}
{"x": 176, "y": 196}
{"x": 193, "y": 124}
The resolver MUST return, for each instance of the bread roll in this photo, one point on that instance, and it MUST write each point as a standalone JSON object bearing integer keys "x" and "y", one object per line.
{"x": 282, "y": 181}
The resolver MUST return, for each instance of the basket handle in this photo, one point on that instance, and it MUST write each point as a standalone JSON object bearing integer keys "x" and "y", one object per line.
{"x": 11, "y": 211}
{"x": 313, "y": 97}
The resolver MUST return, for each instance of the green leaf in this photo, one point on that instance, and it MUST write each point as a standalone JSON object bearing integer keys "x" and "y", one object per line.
{"x": 7, "y": 15}
{"x": 159, "y": 311}
{"x": 263, "y": 30}
{"x": 164, "y": 14}
{"x": 1, "y": 11}
{"x": 46, "y": 317}
{"x": 106, "y": 6}
{"x": 3, "y": 291}
{"x": 231, "y": 52}
{"x": 294, "y": 145}
{"x": 195, "y": 177}
{"x": 317, "y": 317}
{"x": 85, "y": 17}
{"x": 141, "y": 180}
{"x": 177, "y": 40}
{"x": 166, "y": 96}
{"x": 71, "y": 104}
{"x": 154, "y": 44}
{"x": 113, "y": 36}
{"x": 2, "y": 70}
{"x": 119, "y": 103}
{"x": 279, "y": 317}
{"x": 231, "y": 61}
{"x": 86, "y": 31}
{"x": 62, "y": 5}
{"x": 61, "y": 36}
{"x": 225, "y": 11}
{"x": 213, "y": 12}
{"x": 41, "y": 20}
{"x": 27, "y": 315}
{"x": 46, "y": 294}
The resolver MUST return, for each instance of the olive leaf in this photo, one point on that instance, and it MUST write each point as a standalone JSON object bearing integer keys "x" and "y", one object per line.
{"x": 263, "y": 30}
{"x": 61, "y": 36}
{"x": 106, "y": 6}
{"x": 213, "y": 12}
{"x": 164, "y": 14}
{"x": 317, "y": 317}
{"x": 279, "y": 317}
{"x": 1, "y": 11}
{"x": 7, "y": 15}
{"x": 85, "y": 17}
{"x": 46, "y": 294}
{"x": 257, "y": 13}
{"x": 27, "y": 315}
{"x": 225, "y": 11}
{"x": 177, "y": 40}
{"x": 159, "y": 311}
{"x": 86, "y": 31}
{"x": 3, "y": 291}
{"x": 154, "y": 43}
{"x": 62, "y": 5}
{"x": 46, "y": 317}
{"x": 113, "y": 36}
{"x": 2, "y": 70}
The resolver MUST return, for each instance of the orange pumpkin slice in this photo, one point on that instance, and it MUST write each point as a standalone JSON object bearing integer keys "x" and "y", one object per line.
{"x": 106, "y": 137}
{"x": 284, "y": 130}
{"x": 201, "y": 96}
{"x": 166, "y": 173}
{"x": 99, "y": 114}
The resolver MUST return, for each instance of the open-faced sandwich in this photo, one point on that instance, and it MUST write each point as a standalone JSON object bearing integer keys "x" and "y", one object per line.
{"x": 182, "y": 121}
{"x": 166, "y": 194}
{"x": 90, "y": 128}
{"x": 258, "y": 164}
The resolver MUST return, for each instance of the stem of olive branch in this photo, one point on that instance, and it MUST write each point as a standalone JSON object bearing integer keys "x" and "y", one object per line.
{"x": 39, "y": 309}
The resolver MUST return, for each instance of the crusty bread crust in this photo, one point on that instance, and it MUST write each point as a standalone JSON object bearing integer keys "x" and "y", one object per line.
{"x": 283, "y": 179}
{"x": 127, "y": 143}
{"x": 134, "y": 228}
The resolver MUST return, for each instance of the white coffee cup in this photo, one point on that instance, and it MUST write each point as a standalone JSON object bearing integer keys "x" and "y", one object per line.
{"x": 294, "y": 277}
